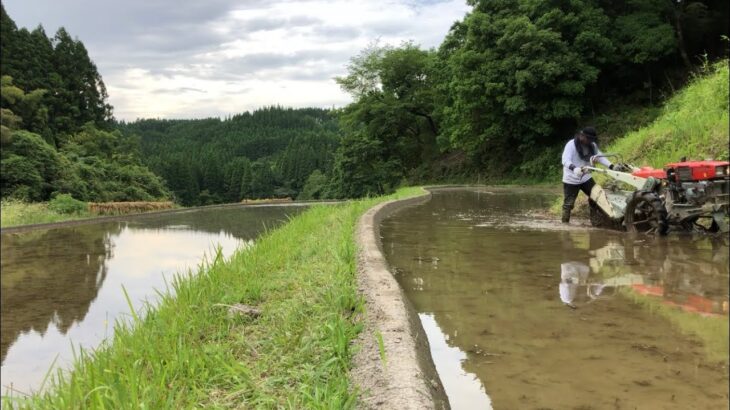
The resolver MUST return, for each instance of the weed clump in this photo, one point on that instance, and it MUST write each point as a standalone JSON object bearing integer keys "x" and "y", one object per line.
{"x": 65, "y": 204}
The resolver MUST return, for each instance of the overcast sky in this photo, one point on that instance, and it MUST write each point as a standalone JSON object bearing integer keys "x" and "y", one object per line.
{"x": 192, "y": 59}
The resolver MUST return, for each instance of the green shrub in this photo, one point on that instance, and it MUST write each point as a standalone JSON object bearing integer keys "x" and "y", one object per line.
{"x": 315, "y": 186}
{"x": 66, "y": 204}
{"x": 541, "y": 165}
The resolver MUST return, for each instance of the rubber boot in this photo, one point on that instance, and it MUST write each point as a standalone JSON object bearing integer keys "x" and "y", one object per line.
{"x": 566, "y": 216}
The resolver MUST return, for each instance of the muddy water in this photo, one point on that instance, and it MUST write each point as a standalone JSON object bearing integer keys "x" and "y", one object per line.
{"x": 64, "y": 286}
{"x": 522, "y": 313}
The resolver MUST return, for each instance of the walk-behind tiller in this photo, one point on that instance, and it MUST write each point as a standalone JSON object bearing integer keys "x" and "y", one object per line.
{"x": 680, "y": 197}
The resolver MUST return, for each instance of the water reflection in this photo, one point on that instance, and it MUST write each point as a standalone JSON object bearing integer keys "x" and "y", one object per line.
{"x": 63, "y": 286}
{"x": 38, "y": 293}
{"x": 692, "y": 275}
{"x": 495, "y": 290}
{"x": 465, "y": 389}
{"x": 574, "y": 276}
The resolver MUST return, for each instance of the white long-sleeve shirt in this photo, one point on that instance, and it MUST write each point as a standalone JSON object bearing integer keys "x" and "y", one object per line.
{"x": 571, "y": 157}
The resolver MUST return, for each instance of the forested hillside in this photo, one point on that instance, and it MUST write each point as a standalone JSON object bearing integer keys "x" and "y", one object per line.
{"x": 496, "y": 100}
{"x": 56, "y": 125}
{"x": 511, "y": 82}
{"x": 271, "y": 152}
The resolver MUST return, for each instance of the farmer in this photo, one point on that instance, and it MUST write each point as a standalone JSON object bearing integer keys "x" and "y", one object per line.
{"x": 580, "y": 152}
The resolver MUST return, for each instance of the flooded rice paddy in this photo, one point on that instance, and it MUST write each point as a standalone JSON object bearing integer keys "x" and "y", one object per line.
{"x": 522, "y": 313}
{"x": 64, "y": 286}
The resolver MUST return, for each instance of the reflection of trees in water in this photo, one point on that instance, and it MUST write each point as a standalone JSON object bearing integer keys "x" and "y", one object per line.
{"x": 241, "y": 223}
{"x": 51, "y": 277}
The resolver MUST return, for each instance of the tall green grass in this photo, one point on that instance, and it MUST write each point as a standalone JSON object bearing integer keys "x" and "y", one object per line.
{"x": 187, "y": 352}
{"x": 694, "y": 123}
{"x": 14, "y": 213}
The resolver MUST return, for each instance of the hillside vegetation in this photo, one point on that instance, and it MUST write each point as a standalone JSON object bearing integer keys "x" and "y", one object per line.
{"x": 270, "y": 152}
{"x": 56, "y": 127}
{"x": 511, "y": 82}
{"x": 694, "y": 123}
{"x": 494, "y": 102}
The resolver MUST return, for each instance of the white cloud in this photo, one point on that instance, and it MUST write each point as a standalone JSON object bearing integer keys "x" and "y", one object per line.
{"x": 161, "y": 59}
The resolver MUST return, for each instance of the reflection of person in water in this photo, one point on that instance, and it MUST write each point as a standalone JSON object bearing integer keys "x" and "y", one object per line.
{"x": 571, "y": 275}
{"x": 574, "y": 275}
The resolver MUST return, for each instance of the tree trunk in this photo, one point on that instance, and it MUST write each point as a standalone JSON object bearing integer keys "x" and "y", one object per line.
{"x": 680, "y": 35}
{"x": 650, "y": 84}
{"x": 431, "y": 123}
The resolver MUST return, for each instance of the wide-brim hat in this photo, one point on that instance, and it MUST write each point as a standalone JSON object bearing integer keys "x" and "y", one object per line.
{"x": 590, "y": 133}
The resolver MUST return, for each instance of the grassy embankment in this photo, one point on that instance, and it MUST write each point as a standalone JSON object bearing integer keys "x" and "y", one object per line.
{"x": 693, "y": 123}
{"x": 187, "y": 352}
{"x": 15, "y": 213}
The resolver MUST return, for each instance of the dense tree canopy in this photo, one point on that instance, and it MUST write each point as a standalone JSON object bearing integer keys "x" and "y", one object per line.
{"x": 270, "y": 152}
{"x": 55, "y": 126}
{"x": 390, "y": 128}
{"x": 74, "y": 91}
{"x": 511, "y": 81}
{"x": 508, "y": 85}
{"x": 521, "y": 68}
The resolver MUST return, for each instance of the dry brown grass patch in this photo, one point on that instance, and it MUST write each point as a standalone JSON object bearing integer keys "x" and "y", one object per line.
{"x": 266, "y": 200}
{"x": 117, "y": 208}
